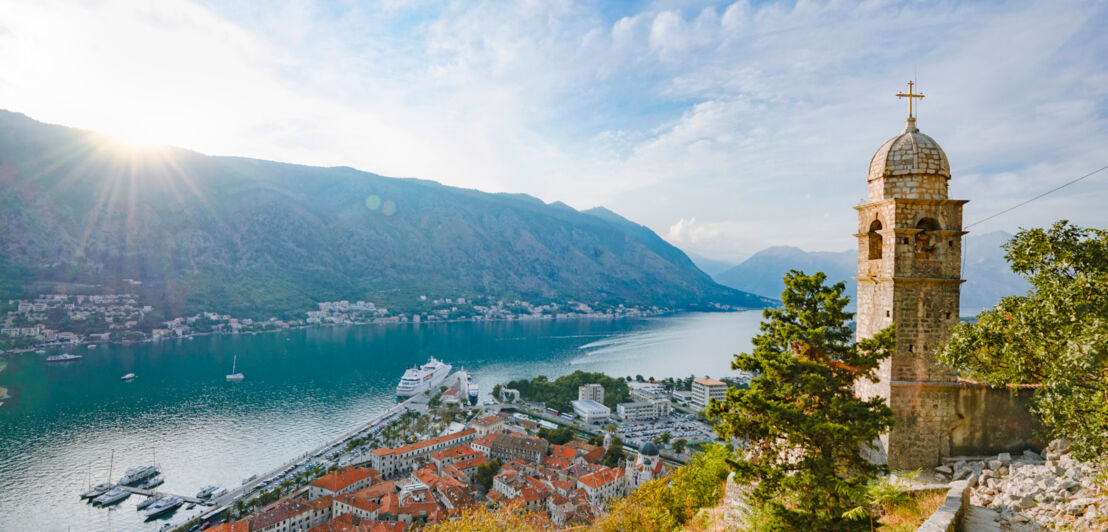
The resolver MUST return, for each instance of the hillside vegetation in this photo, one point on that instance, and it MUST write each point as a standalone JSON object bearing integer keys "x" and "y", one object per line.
{"x": 261, "y": 238}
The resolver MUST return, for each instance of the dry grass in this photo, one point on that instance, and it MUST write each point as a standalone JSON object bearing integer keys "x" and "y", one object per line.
{"x": 909, "y": 517}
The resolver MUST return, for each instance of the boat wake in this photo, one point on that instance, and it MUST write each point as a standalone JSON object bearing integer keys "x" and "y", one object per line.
{"x": 625, "y": 347}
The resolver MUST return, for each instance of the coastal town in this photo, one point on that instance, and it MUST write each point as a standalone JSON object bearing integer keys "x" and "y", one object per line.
{"x": 59, "y": 320}
{"x": 442, "y": 450}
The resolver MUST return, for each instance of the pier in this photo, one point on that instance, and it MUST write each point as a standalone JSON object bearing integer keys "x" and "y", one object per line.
{"x": 156, "y": 493}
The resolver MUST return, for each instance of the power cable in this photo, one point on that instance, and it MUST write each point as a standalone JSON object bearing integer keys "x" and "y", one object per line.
{"x": 965, "y": 248}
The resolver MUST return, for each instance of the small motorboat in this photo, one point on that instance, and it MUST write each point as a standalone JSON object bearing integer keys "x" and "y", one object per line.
{"x": 128, "y": 377}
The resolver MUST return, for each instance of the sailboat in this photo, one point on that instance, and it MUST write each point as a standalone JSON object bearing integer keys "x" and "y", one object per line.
{"x": 235, "y": 376}
{"x": 103, "y": 487}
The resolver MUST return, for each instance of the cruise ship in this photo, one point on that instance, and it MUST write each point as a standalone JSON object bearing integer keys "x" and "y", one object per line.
{"x": 418, "y": 380}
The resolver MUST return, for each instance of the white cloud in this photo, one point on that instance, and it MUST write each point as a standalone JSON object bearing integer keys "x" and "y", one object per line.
{"x": 726, "y": 127}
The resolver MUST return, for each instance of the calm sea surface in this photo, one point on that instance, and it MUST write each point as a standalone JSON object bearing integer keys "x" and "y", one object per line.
{"x": 302, "y": 388}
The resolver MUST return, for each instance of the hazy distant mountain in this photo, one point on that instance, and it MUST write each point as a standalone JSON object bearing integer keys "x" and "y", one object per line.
{"x": 762, "y": 273}
{"x": 709, "y": 266}
{"x": 254, "y": 237}
{"x": 988, "y": 277}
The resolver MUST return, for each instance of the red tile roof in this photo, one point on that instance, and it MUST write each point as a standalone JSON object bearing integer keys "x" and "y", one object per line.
{"x": 377, "y": 491}
{"x": 352, "y": 523}
{"x": 341, "y": 479}
{"x": 470, "y": 463}
{"x": 602, "y": 477}
{"x": 457, "y": 452}
{"x": 563, "y": 451}
{"x": 709, "y": 382}
{"x": 237, "y": 526}
{"x": 360, "y": 503}
{"x": 285, "y": 509}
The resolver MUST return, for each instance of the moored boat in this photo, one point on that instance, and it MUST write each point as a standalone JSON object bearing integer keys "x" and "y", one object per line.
{"x": 149, "y": 500}
{"x": 64, "y": 357}
{"x": 424, "y": 378}
{"x": 138, "y": 474}
{"x": 206, "y": 492}
{"x": 96, "y": 491}
{"x": 163, "y": 507}
{"x": 474, "y": 391}
{"x": 113, "y": 496}
{"x": 152, "y": 483}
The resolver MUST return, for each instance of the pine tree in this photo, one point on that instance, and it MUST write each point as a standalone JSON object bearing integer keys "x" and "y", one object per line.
{"x": 800, "y": 427}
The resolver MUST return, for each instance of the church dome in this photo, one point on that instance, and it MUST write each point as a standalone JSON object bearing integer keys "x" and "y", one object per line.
{"x": 649, "y": 449}
{"x": 909, "y": 153}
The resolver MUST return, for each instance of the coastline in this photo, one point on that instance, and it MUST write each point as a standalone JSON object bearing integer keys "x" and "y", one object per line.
{"x": 645, "y": 315}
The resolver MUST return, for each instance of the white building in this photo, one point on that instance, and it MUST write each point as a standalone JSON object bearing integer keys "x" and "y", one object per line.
{"x": 641, "y": 410}
{"x": 704, "y": 390}
{"x": 591, "y": 392}
{"x": 645, "y": 467}
{"x": 591, "y": 411}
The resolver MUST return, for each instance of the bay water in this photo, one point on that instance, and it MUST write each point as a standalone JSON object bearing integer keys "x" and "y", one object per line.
{"x": 63, "y": 422}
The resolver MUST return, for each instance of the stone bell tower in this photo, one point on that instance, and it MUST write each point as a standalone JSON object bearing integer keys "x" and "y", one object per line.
{"x": 909, "y": 273}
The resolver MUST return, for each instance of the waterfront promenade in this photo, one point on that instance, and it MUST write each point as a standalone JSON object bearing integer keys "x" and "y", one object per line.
{"x": 225, "y": 501}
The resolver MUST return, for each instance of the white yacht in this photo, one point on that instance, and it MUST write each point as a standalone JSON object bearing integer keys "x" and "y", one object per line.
{"x": 235, "y": 376}
{"x": 163, "y": 506}
{"x": 418, "y": 380}
{"x": 96, "y": 491}
{"x": 149, "y": 500}
{"x": 474, "y": 391}
{"x": 136, "y": 474}
{"x": 113, "y": 496}
{"x": 206, "y": 492}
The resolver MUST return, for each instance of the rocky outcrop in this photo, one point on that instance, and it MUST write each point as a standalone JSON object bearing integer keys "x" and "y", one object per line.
{"x": 1032, "y": 492}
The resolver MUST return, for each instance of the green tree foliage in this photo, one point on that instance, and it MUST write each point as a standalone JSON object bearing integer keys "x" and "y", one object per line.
{"x": 803, "y": 426}
{"x": 679, "y": 445}
{"x": 670, "y": 502}
{"x": 558, "y": 393}
{"x": 614, "y": 453}
{"x": 558, "y": 436}
{"x": 485, "y": 473}
{"x": 1056, "y": 336}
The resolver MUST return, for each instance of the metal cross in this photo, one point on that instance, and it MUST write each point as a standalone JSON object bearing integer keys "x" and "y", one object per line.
{"x": 910, "y": 95}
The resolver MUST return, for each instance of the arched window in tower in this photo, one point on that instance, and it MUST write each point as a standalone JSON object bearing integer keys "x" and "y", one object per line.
{"x": 875, "y": 240}
{"x": 926, "y": 241}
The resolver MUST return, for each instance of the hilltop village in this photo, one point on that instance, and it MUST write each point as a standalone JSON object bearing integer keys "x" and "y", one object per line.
{"x": 60, "y": 320}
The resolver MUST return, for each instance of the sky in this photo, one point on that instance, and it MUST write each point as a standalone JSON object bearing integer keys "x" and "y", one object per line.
{"x": 726, "y": 127}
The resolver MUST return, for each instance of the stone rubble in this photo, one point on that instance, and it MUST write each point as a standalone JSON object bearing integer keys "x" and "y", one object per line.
{"x": 1031, "y": 492}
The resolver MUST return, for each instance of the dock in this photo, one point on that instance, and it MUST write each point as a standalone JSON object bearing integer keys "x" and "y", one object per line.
{"x": 152, "y": 493}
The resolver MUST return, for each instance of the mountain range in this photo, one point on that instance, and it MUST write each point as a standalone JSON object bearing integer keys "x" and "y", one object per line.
{"x": 988, "y": 276}
{"x": 259, "y": 238}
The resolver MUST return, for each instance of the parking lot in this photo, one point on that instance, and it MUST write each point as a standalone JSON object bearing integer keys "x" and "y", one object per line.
{"x": 679, "y": 426}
